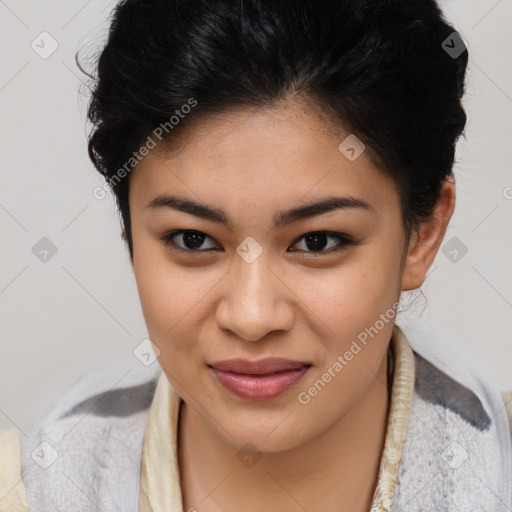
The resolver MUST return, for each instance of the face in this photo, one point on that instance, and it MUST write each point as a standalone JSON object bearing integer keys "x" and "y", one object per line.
{"x": 224, "y": 272}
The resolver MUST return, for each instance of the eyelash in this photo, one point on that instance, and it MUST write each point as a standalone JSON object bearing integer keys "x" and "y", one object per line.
{"x": 344, "y": 241}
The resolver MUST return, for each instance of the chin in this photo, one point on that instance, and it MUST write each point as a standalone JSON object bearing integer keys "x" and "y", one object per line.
{"x": 275, "y": 432}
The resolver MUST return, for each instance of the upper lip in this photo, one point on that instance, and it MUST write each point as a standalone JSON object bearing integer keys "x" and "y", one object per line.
{"x": 259, "y": 367}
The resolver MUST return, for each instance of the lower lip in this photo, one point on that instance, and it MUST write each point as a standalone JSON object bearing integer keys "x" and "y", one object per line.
{"x": 259, "y": 387}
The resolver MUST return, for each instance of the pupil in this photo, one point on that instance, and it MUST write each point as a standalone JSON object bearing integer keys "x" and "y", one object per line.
{"x": 316, "y": 241}
{"x": 193, "y": 240}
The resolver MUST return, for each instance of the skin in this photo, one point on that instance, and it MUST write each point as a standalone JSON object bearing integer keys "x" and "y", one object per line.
{"x": 301, "y": 305}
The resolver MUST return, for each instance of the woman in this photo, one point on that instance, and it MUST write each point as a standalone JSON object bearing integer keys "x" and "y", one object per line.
{"x": 283, "y": 170}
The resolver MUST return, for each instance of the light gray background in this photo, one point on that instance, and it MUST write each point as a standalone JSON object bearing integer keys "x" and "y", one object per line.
{"x": 81, "y": 307}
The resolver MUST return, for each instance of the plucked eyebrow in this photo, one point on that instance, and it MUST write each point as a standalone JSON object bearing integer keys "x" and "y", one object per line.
{"x": 282, "y": 218}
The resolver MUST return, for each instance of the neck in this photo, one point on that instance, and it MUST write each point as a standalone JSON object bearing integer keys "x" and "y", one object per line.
{"x": 336, "y": 470}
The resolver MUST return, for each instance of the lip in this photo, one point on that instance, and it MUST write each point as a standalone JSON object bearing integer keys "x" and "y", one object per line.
{"x": 259, "y": 367}
{"x": 259, "y": 380}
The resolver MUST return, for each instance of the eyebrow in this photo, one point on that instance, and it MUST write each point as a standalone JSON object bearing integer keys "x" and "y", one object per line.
{"x": 282, "y": 218}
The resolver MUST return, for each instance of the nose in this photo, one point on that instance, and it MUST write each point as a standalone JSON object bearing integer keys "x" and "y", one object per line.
{"x": 255, "y": 301}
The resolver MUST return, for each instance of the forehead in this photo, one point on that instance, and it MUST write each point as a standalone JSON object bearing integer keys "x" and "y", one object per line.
{"x": 261, "y": 158}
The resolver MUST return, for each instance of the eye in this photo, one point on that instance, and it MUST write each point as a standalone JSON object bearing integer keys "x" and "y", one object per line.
{"x": 188, "y": 241}
{"x": 322, "y": 242}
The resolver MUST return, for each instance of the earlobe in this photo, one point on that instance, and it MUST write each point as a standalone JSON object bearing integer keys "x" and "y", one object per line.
{"x": 425, "y": 244}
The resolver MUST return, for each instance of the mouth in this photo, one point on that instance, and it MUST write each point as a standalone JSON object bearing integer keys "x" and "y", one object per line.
{"x": 259, "y": 380}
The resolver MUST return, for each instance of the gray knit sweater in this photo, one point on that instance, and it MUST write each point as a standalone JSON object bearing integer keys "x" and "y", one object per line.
{"x": 84, "y": 454}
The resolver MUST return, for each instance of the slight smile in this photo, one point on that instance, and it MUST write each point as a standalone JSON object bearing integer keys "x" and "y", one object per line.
{"x": 260, "y": 380}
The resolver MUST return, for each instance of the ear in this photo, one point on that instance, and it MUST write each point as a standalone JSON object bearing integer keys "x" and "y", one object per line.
{"x": 424, "y": 245}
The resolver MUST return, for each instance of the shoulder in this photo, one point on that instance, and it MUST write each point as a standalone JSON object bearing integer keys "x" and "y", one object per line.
{"x": 98, "y": 396}
{"x": 442, "y": 379}
{"x": 98, "y": 383}
{"x": 458, "y": 443}
{"x": 89, "y": 438}
{"x": 447, "y": 388}
{"x": 457, "y": 389}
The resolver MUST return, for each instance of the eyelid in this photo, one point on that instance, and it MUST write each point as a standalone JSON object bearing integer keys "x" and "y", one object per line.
{"x": 343, "y": 242}
{"x": 167, "y": 239}
{"x": 334, "y": 234}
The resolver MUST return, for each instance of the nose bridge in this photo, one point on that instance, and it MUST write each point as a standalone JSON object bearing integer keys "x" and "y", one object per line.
{"x": 254, "y": 303}
{"x": 251, "y": 284}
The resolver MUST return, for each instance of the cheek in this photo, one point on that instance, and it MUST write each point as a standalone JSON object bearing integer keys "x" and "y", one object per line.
{"x": 170, "y": 306}
{"x": 352, "y": 296}
{"x": 353, "y": 308}
{"x": 168, "y": 296}
{"x": 177, "y": 305}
